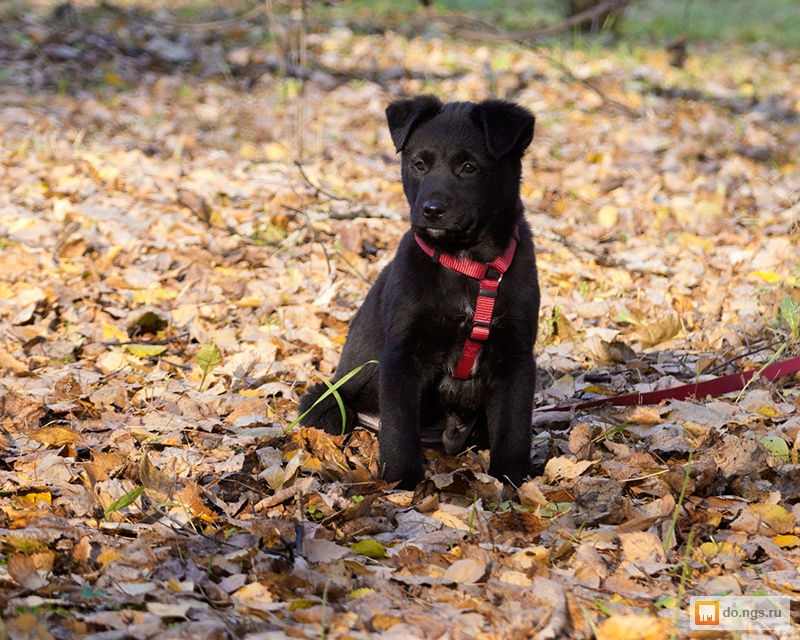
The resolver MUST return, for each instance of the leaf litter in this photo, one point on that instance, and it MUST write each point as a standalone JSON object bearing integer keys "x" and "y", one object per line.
{"x": 186, "y": 234}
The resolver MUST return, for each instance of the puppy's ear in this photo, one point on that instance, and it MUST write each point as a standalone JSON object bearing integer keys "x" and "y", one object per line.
{"x": 404, "y": 115}
{"x": 507, "y": 127}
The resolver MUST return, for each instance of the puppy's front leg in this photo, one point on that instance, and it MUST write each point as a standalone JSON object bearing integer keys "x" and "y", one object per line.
{"x": 399, "y": 441}
{"x": 508, "y": 411}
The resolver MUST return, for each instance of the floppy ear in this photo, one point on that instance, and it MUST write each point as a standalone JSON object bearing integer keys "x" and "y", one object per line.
{"x": 506, "y": 126}
{"x": 404, "y": 115}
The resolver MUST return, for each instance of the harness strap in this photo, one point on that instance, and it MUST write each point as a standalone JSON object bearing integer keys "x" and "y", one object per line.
{"x": 490, "y": 276}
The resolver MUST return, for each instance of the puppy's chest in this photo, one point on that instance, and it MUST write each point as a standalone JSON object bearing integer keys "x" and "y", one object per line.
{"x": 453, "y": 309}
{"x": 450, "y": 322}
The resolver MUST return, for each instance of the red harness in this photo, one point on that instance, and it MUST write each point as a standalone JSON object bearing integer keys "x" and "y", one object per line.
{"x": 490, "y": 276}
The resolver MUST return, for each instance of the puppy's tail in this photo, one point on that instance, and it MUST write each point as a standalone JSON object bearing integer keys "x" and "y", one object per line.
{"x": 326, "y": 413}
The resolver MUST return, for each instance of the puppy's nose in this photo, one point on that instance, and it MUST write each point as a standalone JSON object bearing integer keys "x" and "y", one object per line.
{"x": 433, "y": 209}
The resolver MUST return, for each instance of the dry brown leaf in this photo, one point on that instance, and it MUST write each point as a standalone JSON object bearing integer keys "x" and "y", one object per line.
{"x": 764, "y": 519}
{"x": 55, "y": 436}
{"x": 156, "y": 480}
{"x": 633, "y": 627}
{"x": 257, "y": 597}
{"x": 466, "y": 571}
{"x": 9, "y": 363}
{"x": 665, "y": 328}
{"x": 530, "y": 495}
{"x": 25, "y": 572}
{"x": 562, "y": 468}
{"x": 26, "y": 626}
{"x": 642, "y": 546}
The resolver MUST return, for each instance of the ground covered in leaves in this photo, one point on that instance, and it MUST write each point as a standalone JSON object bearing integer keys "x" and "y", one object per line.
{"x": 166, "y": 188}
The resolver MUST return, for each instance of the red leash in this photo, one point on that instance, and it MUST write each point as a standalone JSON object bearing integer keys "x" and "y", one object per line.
{"x": 490, "y": 276}
{"x": 698, "y": 390}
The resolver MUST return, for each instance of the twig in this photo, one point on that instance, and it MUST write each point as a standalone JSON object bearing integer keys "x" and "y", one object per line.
{"x": 744, "y": 355}
{"x": 71, "y": 228}
{"x": 589, "y": 85}
{"x": 318, "y": 190}
{"x": 535, "y": 34}
{"x": 215, "y": 24}
{"x": 605, "y": 259}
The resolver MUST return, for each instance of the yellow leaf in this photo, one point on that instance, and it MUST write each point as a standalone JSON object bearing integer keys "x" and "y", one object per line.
{"x": 174, "y": 586}
{"x": 787, "y": 541}
{"x": 227, "y": 272}
{"x": 514, "y": 577}
{"x": 770, "y": 277}
{"x": 115, "y": 80}
{"x": 107, "y": 557}
{"x": 633, "y": 627}
{"x": 449, "y": 520}
{"x": 769, "y": 412}
{"x": 600, "y": 391}
{"x": 248, "y": 150}
{"x": 56, "y": 436}
{"x": 113, "y": 332}
{"x": 608, "y": 216}
{"x": 712, "y": 206}
{"x": 144, "y": 296}
{"x": 692, "y": 240}
{"x": 360, "y": 593}
{"x": 383, "y": 622}
{"x": 634, "y": 99}
{"x": 275, "y": 152}
{"x": 68, "y": 269}
{"x": 764, "y": 519}
{"x": 146, "y": 350}
{"x": 531, "y": 556}
{"x": 252, "y": 302}
{"x": 369, "y": 548}
{"x": 594, "y": 157}
{"x": 33, "y": 498}
{"x": 256, "y": 596}
{"x": 711, "y": 550}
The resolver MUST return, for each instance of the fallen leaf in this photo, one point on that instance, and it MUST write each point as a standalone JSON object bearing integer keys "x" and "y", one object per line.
{"x": 562, "y": 468}
{"x": 633, "y": 627}
{"x": 369, "y": 548}
{"x": 23, "y": 570}
{"x": 764, "y": 519}
{"x": 642, "y": 546}
{"x": 257, "y": 597}
{"x": 466, "y": 571}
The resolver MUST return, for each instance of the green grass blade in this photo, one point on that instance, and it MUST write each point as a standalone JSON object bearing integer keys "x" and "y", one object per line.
{"x": 338, "y": 397}
{"x": 124, "y": 501}
{"x": 332, "y": 388}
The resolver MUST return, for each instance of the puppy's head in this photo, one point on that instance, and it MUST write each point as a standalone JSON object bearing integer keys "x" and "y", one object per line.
{"x": 461, "y": 165}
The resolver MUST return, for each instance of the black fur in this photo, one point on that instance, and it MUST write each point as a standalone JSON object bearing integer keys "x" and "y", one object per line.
{"x": 461, "y": 169}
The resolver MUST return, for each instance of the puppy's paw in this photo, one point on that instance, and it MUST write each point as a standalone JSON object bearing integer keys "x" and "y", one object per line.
{"x": 406, "y": 474}
{"x": 325, "y": 414}
{"x": 510, "y": 471}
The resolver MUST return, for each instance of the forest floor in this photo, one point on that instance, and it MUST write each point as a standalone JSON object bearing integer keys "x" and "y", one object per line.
{"x": 167, "y": 189}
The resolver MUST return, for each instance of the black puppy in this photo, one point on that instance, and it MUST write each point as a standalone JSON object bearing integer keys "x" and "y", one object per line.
{"x": 452, "y": 319}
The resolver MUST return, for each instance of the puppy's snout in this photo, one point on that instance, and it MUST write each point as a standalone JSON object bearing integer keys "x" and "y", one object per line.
{"x": 433, "y": 209}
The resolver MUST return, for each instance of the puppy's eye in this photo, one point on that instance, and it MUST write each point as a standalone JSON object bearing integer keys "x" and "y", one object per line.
{"x": 419, "y": 165}
{"x": 468, "y": 167}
